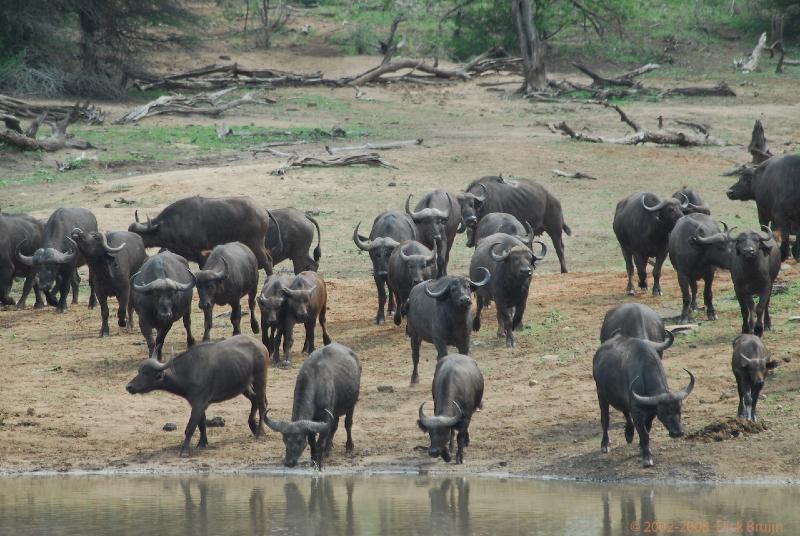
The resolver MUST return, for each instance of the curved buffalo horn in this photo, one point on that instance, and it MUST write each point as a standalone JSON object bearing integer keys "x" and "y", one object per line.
{"x": 724, "y": 227}
{"x": 66, "y": 258}
{"x": 501, "y": 257}
{"x": 765, "y": 230}
{"x": 685, "y": 204}
{"x": 484, "y": 281}
{"x": 362, "y": 243}
{"x": 386, "y": 242}
{"x": 746, "y": 359}
{"x": 136, "y": 215}
{"x": 650, "y": 401}
{"x": 655, "y": 208}
{"x": 481, "y": 198}
{"x": 76, "y": 231}
{"x": 461, "y": 226}
{"x": 436, "y": 293}
{"x": 439, "y": 421}
{"x": 544, "y": 250}
{"x": 165, "y": 283}
{"x": 405, "y": 257}
{"x": 143, "y": 227}
{"x": 108, "y": 248}
{"x": 728, "y": 232}
{"x": 528, "y": 237}
{"x": 313, "y": 427}
{"x": 24, "y": 259}
{"x": 414, "y": 215}
{"x": 683, "y": 393}
{"x": 277, "y": 426}
{"x": 280, "y": 238}
{"x": 661, "y": 346}
{"x": 713, "y": 239}
{"x": 221, "y": 274}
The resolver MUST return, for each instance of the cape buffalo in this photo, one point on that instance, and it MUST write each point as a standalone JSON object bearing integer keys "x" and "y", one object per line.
{"x": 633, "y": 320}
{"x": 437, "y": 218}
{"x": 750, "y": 363}
{"x": 192, "y": 226}
{"x": 526, "y": 200}
{"x": 207, "y": 374}
{"x": 306, "y": 300}
{"x": 230, "y": 272}
{"x": 388, "y": 230}
{"x": 410, "y": 264}
{"x": 630, "y": 377}
{"x": 162, "y": 295}
{"x": 291, "y": 237}
{"x": 755, "y": 263}
{"x": 26, "y": 232}
{"x": 775, "y": 187}
{"x": 691, "y": 202}
{"x": 457, "y": 393}
{"x": 327, "y": 387}
{"x": 272, "y": 301}
{"x": 439, "y": 312}
{"x": 642, "y": 225}
{"x": 112, "y": 258}
{"x": 500, "y": 222}
{"x": 510, "y": 263}
{"x": 56, "y": 261}
{"x": 697, "y": 248}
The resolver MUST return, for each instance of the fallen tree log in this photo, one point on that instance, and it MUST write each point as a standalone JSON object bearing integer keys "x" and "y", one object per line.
{"x": 414, "y": 65}
{"x": 200, "y": 104}
{"x": 576, "y": 175}
{"x": 367, "y": 159}
{"x": 89, "y": 113}
{"x": 720, "y": 90}
{"x": 58, "y": 139}
{"x": 374, "y": 146}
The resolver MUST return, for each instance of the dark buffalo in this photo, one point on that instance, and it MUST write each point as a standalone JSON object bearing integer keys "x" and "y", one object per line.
{"x": 56, "y": 261}
{"x": 437, "y": 217}
{"x": 775, "y": 187}
{"x": 750, "y": 363}
{"x": 471, "y": 205}
{"x": 691, "y": 202}
{"x": 162, "y": 295}
{"x": 697, "y": 248}
{"x": 526, "y": 200}
{"x": 510, "y": 263}
{"x": 457, "y": 394}
{"x": 632, "y": 320}
{"x": 272, "y": 301}
{"x": 112, "y": 258}
{"x": 291, "y": 237}
{"x": 388, "y": 230}
{"x": 440, "y": 312}
{"x": 410, "y": 264}
{"x": 755, "y": 263}
{"x": 500, "y": 222}
{"x": 642, "y": 224}
{"x": 192, "y": 226}
{"x": 327, "y": 387}
{"x": 207, "y": 374}
{"x": 306, "y": 300}
{"x": 26, "y": 232}
{"x": 230, "y": 272}
{"x": 630, "y": 377}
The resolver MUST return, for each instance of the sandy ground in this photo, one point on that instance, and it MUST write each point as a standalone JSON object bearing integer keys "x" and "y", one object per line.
{"x": 63, "y": 405}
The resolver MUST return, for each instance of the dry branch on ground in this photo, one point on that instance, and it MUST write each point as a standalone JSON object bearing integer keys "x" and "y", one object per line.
{"x": 25, "y": 110}
{"x": 366, "y": 159}
{"x": 58, "y": 139}
{"x": 200, "y": 104}
{"x": 374, "y": 146}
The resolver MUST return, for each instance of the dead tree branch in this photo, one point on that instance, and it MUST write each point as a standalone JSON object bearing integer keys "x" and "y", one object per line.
{"x": 58, "y": 138}
{"x": 366, "y": 159}
{"x": 200, "y": 104}
{"x": 720, "y": 90}
{"x": 576, "y": 175}
{"x": 758, "y": 144}
{"x": 750, "y": 64}
{"x": 374, "y": 146}
{"x": 24, "y": 110}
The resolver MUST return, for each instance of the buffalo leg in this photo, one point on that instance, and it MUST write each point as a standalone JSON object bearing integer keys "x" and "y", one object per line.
{"x": 323, "y": 323}
{"x": 784, "y": 241}
{"x": 266, "y": 337}
{"x": 754, "y": 394}
{"x": 462, "y": 346}
{"x": 329, "y": 437}
{"x": 103, "y": 299}
{"x": 26, "y": 289}
{"x": 657, "y": 274}
{"x": 476, "y": 322}
{"x": 130, "y": 306}
{"x": 644, "y": 440}
{"x": 74, "y": 283}
{"x": 519, "y": 311}
{"x": 767, "y": 319}
{"x": 558, "y": 244}
{"x": 194, "y": 420}
{"x": 263, "y": 258}
{"x": 208, "y": 315}
{"x": 203, "y": 443}
{"x": 161, "y": 334}
{"x": 604, "y": 421}
{"x": 187, "y": 325}
{"x": 398, "y": 315}
{"x": 380, "y": 283}
{"x": 641, "y": 268}
{"x": 708, "y": 296}
{"x": 64, "y": 286}
{"x": 38, "y": 293}
{"x": 348, "y": 427}
{"x": 392, "y": 306}
{"x": 629, "y": 269}
{"x": 461, "y": 442}
{"x": 308, "y": 345}
{"x": 288, "y": 341}
{"x": 236, "y": 317}
{"x": 742, "y": 411}
{"x": 123, "y": 300}
{"x": 628, "y": 428}
{"x": 508, "y": 324}
{"x": 92, "y": 294}
{"x": 745, "y": 310}
{"x": 693, "y": 287}
{"x": 683, "y": 283}
{"x": 7, "y": 281}
{"x": 251, "y": 304}
{"x": 416, "y": 341}
{"x": 441, "y": 348}
{"x": 147, "y": 333}
{"x": 277, "y": 334}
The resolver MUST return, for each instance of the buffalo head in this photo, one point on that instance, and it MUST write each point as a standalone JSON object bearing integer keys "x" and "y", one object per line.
{"x": 716, "y": 246}
{"x": 150, "y": 376}
{"x": 94, "y": 244}
{"x": 165, "y": 292}
{"x": 419, "y": 266}
{"x": 519, "y": 259}
{"x": 691, "y": 203}
{"x": 148, "y": 230}
{"x": 430, "y": 222}
{"x": 298, "y": 302}
{"x": 295, "y": 435}
{"x": 456, "y": 289}
{"x": 749, "y": 243}
{"x": 471, "y": 204}
{"x": 743, "y": 189}
{"x": 666, "y": 212}
{"x": 48, "y": 262}
{"x": 208, "y": 282}
{"x": 379, "y": 249}
{"x": 667, "y": 405}
{"x": 439, "y": 428}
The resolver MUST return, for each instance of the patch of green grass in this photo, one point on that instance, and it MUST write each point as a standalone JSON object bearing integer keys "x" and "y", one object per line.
{"x": 320, "y": 102}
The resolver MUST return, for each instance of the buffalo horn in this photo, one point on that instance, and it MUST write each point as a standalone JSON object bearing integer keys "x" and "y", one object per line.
{"x": 765, "y": 234}
{"x": 313, "y": 427}
{"x": 24, "y": 259}
{"x": 683, "y": 393}
{"x": 65, "y": 258}
{"x": 502, "y": 256}
{"x": 543, "y": 253}
{"x": 277, "y": 426}
{"x": 661, "y": 346}
{"x": 655, "y": 208}
{"x": 108, "y": 248}
{"x": 484, "y": 281}
{"x": 436, "y": 293}
{"x": 439, "y": 421}
{"x": 362, "y": 243}
{"x": 528, "y": 237}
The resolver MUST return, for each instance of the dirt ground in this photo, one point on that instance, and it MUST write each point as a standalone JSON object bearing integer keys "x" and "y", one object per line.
{"x": 63, "y": 405}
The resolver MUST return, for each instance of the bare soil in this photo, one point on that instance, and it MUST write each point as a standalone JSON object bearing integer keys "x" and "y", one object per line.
{"x": 63, "y": 405}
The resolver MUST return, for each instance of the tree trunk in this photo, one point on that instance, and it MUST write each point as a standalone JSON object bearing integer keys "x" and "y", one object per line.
{"x": 531, "y": 47}
{"x": 88, "y": 24}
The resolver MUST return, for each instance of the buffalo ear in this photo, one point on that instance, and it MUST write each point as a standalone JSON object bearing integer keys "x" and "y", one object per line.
{"x": 771, "y": 364}
{"x": 421, "y": 426}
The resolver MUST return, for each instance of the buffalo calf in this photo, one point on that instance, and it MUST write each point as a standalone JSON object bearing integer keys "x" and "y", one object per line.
{"x": 306, "y": 300}
{"x": 327, "y": 387}
{"x": 207, "y": 374}
{"x": 457, "y": 393}
{"x": 410, "y": 264}
{"x": 272, "y": 301}
{"x": 750, "y": 364}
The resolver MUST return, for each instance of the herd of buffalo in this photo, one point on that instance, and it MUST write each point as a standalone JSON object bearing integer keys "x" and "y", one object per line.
{"x": 231, "y": 239}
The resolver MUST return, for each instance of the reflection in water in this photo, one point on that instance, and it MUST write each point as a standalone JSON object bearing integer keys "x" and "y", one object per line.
{"x": 338, "y": 505}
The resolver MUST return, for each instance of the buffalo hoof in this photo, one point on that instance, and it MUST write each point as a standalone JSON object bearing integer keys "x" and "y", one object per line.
{"x": 202, "y": 444}
{"x": 348, "y": 447}
{"x": 647, "y": 462}
{"x": 38, "y": 305}
{"x": 511, "y": 343}
{"x": 184, "y": 452}
{"x": 122, "y": 323}
{"x": 630, "y": 292}
{"x": 657, "y": 292}
{"x": 684, "y": 320}
{"x": 286, "y": 364}
{"x": 711, "y": 315}
{"x": 104, "y": 333}
{"x": 605, "y": 449}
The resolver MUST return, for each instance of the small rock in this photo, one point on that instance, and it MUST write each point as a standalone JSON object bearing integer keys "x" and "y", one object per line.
{"x": 216, "y": 422}
{"x": 531, "y": 383}
{"x": 503, "y": 463}
{"x": 392, "y": 184}
{"x": 780, "y": 407}
{"x": 107, "y": 205}
{"x": 787, "y": 359}
{"x": 385, "y": 389}
{"x": 169, "y": 427}
{"x": 31, "y": 412}
{"x": 225, "y": 57}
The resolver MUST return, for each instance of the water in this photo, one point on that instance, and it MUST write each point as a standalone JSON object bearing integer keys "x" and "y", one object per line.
{"x": 349, "y": 505}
